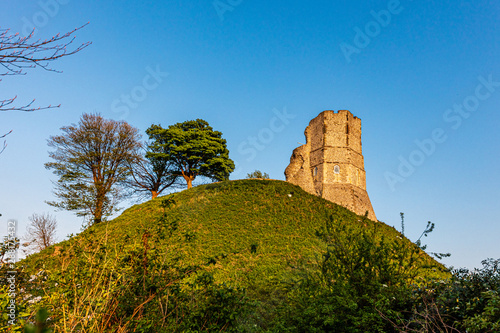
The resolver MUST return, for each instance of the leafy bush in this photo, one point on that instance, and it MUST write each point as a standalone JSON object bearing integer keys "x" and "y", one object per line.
{"x": 362, "y": 282}
{"x": 489, "y": 319}
{"x": 239, "y": 256}
{"x": 257, "y": 174}
{"x": 366, "y": 282}
{"x": 101, "y": 287}
{"x": 468, "y": 301}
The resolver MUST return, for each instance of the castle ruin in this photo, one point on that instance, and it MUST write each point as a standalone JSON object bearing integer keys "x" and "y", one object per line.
{"x": 331, "y": 163}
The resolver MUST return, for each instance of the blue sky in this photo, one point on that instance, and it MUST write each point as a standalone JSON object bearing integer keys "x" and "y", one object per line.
{"x": 424, "y": 77}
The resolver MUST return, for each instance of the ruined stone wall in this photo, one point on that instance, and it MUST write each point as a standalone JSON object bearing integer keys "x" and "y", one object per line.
{"x": 331, "y": 163}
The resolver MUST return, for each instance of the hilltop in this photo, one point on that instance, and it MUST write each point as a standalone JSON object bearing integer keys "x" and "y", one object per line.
{"x": 248, "y": 239}
{"x": 238, "y": 225}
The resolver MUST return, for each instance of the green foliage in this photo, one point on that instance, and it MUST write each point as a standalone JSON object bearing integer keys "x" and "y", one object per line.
{"x": 99, "y": 287}
{"x": 41, "y": 325}
{"x": 362, "y": 275}
{"x": 361, "y": 255}
{"x": 489, "y": 319}
{"x": 466, "y": 302}
{"x": 193, "y": 148}
{"x": 212, "y": 307}
{"x": 231, "y": 256}
{"x": 258, "y": 175}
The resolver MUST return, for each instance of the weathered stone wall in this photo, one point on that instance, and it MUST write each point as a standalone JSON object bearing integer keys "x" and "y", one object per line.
{"x": 331, "y": 163}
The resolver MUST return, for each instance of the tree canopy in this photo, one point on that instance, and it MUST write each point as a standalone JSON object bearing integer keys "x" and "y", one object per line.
{"x": 149, "y": 175}
{"x": 193, "y": 148}
{"x": 91, "y": 160}
{"x": 257, "y": 174}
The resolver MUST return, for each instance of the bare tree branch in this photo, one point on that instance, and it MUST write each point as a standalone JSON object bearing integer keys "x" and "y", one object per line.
{"x": 426, "y": 319}
{"x": 4, "y": 141}
{"x": 41, "y": 232}
{"x": 91, "y": 160}
{"x": 5, "y": 106}
{"x": 18, "y": 53}
{"x": 150, "y": 177}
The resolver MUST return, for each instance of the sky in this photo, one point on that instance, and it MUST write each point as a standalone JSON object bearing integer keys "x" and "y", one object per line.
{"x": 424, "y": 78}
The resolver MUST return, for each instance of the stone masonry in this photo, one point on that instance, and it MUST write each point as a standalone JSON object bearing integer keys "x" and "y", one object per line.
{"x": 331, "y": 163}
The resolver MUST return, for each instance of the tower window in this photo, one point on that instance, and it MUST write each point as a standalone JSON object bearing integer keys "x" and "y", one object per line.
{"x": 315, "y": 171}
{"x": 336, "y": 169}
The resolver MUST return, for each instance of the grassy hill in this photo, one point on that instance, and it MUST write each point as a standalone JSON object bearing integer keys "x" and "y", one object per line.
{"x": 233, "y": 243}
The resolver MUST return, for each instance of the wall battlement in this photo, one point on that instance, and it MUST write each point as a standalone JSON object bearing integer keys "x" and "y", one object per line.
{"x": 331, "y": 163}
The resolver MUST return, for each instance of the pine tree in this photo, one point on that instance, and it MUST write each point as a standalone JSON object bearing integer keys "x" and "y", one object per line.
{"x": 193, "y": 148}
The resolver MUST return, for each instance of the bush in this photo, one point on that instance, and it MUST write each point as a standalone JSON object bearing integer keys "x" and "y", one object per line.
{"x": 362, "y": 282}
{"x": 467, "y": 300}
{"x": 132, "y": 287}
{"x": 257, "y": 174}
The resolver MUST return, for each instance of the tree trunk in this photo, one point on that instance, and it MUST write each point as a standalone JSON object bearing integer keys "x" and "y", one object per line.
{"x": 154, "y": 194}
{"x": 99, "y": 209}
{"x": 189, "y": 179}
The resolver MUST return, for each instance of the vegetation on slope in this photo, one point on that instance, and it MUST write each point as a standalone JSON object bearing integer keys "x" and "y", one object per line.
{"x": 236, "y": 255}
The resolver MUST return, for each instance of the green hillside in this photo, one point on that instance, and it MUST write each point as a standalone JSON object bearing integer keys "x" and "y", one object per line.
{"x": 241, "y": 244}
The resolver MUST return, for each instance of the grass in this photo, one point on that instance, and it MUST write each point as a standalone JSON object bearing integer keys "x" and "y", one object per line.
{"x": 257, "y": 235}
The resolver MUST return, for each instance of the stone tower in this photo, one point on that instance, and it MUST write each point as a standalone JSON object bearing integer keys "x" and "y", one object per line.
{"x": 331, "y": 163}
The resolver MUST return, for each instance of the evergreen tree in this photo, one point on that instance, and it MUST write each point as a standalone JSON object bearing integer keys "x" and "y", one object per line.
{"x": 193, "y": 148}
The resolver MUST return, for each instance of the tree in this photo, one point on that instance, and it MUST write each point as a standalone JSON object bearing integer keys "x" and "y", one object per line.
{"x": 193, "y": 148}
{"x": 19, "y": 53}
{"x": 91, "y": 160}
{"x": 151, "y": 175}
{"x": 257, "y": 174}
{"x": 41, "y": 232}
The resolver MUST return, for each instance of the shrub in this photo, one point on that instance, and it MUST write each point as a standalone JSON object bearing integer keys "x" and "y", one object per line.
{"x": 257, "y": 174}
{"x": 362, "y": 275}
